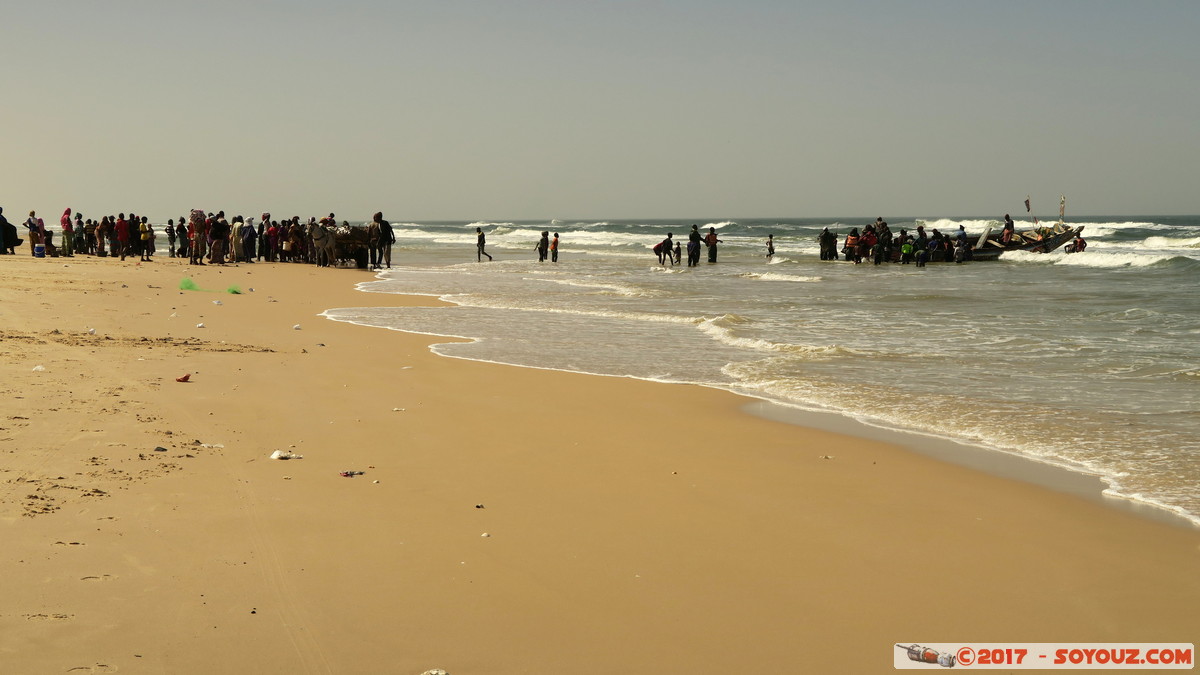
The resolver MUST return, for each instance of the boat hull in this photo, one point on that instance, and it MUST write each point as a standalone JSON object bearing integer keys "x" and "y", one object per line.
{"x": 1038, "y": 240}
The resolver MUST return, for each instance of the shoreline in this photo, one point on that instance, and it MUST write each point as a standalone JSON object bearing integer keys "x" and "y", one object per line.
{"x": 1076, "y": 481}
{"x": 1006, "y": 465}
{"x": 727, "y": 540}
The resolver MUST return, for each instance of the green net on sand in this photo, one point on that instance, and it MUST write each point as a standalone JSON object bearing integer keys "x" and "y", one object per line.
{"x": 188, "y": 285}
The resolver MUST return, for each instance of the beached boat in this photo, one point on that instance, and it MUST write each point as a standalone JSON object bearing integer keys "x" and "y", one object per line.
{"x": 1036, "y": 240}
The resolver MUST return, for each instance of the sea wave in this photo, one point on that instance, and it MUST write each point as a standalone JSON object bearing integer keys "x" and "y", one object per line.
{"x": 773, "y": 276}
{"x": 612, "y": 289}
{"x": 721, "y": 328}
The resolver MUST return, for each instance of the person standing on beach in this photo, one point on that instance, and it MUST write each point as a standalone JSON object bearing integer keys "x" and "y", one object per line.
{"x": 102, "y": 237}
{"x": 181, "y": 236}
{"x": 8, "y": 235}
{"x": 220, "y": 237}
{"x": 711, "y": 241}
{"x": 235, "y": 239}
{"x": 554, "y": 248}
{"x": 114, "y": 245}
{"x": 480, "y": 241}
{"x": 770, "y": 247}
{"x": 122, "y": 231}
{"x": 264, "y": 224}
{"x": 146, "y": 235}
{"x": 386, "y": 238}
{"x": 79, "y": 245}
{"x": 6, "y": 244}
{"x": 199, "y": 232}
{"x": 249, "y": 240}
{"x": 34, "y": 237}
{"x": 68, "y": 234}
{"x": 373, "y": 242}
{"x": 543, "y": 246}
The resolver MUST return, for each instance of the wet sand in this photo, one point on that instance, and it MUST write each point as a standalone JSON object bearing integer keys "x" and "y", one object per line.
{"x": 631, "y": 526}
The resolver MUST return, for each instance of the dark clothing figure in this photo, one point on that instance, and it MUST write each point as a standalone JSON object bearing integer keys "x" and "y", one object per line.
{"x": 711, "y": 241}
{"x": 1006, "y": 234}
{"x": 480, "y": 242}
{"x": 666, "y": 250}
{"x": 386, "y": 239}
{"x": 8, "y": 235}
{"x": 543, "y": 246}
{"x": 828, "y": 242}
{"x": 249, "y": 242}
{"x": 693, "y": 247}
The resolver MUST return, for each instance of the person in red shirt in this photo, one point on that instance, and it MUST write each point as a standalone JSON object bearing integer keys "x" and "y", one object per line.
{"x": 68, "y": 235}
{"x": 122, "y": 229}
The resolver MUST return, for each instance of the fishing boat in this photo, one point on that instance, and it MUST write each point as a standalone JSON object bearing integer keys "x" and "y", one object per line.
{"x": 1035, "y": 240}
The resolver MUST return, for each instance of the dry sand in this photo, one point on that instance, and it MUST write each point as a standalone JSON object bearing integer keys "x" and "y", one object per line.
{"x": 633, "y": 527}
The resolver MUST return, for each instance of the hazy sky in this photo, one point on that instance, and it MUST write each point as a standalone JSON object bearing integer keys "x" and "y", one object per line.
{"x": 559, "y": 109}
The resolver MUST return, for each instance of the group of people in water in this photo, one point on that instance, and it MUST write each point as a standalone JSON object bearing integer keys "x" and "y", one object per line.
{"x": 877, "y": 243}
{"x": 670, "y": 251}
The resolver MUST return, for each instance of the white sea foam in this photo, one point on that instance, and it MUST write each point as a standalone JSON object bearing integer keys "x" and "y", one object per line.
{"x": 1097, "y": 259}
{"x": 615, "y": 289}
{"x": 773, "y": 276}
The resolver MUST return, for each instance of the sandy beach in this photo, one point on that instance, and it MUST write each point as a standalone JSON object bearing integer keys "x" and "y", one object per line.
{"x": 506, "y": 520}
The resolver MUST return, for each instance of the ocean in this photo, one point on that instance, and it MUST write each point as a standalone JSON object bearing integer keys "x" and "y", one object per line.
{"x": 1086, "y": 361}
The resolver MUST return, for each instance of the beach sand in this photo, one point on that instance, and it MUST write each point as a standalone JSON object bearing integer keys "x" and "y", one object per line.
{"x": 507, "y": 520}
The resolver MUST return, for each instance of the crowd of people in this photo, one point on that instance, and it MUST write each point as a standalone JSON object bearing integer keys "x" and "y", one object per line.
{"x": 877, "y": 243}
{"x": 210, "y": 238}
{"x": 203, "y": 238}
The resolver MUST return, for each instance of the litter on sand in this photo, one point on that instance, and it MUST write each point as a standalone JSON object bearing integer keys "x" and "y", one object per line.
{"x": 184, "y": 378}
{"x": 283, "y": 454}
{"x": 351, "y": 474}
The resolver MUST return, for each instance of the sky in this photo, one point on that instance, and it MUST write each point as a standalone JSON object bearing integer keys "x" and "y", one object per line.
{"x": 515, "y": 110}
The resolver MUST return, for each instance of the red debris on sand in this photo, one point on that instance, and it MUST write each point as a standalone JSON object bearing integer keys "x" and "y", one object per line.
{"x": 185, "y": 378}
